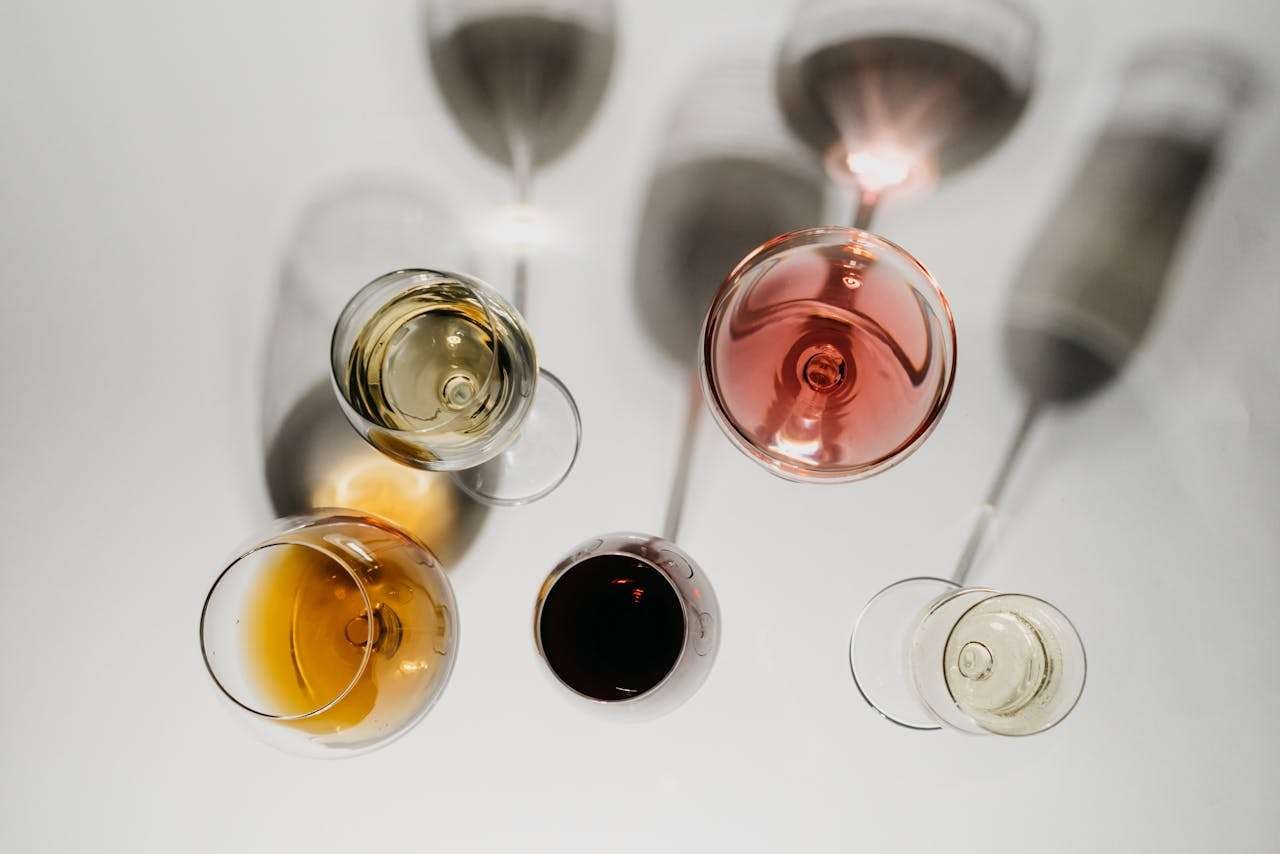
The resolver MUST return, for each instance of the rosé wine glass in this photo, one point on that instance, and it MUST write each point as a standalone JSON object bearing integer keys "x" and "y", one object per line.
{"x": 828, "y": 354}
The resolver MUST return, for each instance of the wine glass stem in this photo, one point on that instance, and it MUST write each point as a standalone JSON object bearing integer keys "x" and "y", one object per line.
{"x": 996, "y": 491}
{"x": 865, "y": 209}
{"x": 522, "y": 166}
{"x": 520, "y": 288}
{"x": 520, "y": 147}
{"x": 522, "y": 169}
{"x": 684, "y": 461}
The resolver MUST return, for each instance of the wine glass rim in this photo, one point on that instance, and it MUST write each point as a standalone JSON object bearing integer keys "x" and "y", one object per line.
{"x": 1084, "y": 656}
{"x": 853, "y": 669}
{"x": 813, "y": 233}
{"x": 493, "y": 499}
{"x": 560, "y": 572}
{"x": 790, "y": 469}
{"x": 276, "y": 541}
{"x": 488, "y": 298}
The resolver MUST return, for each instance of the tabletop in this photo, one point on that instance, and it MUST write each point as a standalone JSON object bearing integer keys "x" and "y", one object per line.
{"x": 168, "y": 177}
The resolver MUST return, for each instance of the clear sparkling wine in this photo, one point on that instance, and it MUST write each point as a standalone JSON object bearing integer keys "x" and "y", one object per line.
{"x": 434, "y": 361}
{"x": 1003, "y": 664}
{"x": 830, "y": 359}
{"x": 921, "y": 94}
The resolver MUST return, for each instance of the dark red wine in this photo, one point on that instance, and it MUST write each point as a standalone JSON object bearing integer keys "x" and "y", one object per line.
{"x": 612, "y": 627}
{"x": 922, "y": 94}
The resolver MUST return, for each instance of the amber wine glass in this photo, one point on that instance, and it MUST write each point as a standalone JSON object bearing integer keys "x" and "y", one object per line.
{"x": 331, "y": 636}
{"x": 439, "y": 372}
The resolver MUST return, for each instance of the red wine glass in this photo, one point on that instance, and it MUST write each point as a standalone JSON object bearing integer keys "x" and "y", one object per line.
{"x": 628, "y": 624}
{"x": 828, "y": 354}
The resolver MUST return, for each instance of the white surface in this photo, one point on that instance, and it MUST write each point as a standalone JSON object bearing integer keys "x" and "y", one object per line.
{"x": 154, "y": 159}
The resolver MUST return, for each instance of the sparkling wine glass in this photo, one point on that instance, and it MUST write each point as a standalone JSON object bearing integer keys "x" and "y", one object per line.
{"x": 894, "y": 94}
{"x": 628, "y": 625}
{"x": 828, "y": 354}
{"x": 439, "y": 372}
{"x": 332, "y": 635}
{"x": 927, "y": 653}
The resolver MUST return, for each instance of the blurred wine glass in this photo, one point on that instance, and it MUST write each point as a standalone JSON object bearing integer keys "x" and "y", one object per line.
{"x": 523, "y": 79}
{"x": 895, "y": 94}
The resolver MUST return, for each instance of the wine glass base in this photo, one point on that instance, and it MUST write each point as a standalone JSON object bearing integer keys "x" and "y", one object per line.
{"x": 539, "y": 459}
{"x": 879, "y": 644}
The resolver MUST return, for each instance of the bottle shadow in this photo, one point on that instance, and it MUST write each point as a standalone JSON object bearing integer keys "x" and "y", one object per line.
{"x": 1098, "y": 276}
{"x": 355, "y": 231}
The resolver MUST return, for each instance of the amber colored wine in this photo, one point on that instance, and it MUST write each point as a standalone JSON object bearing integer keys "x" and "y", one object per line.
{"x": 307, "y": 628}
{"x": 828, "y": 359}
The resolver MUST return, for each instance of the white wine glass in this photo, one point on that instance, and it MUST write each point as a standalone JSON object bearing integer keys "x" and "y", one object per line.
{"x": 439, "y": 372}
{"x": 927, "y": 653}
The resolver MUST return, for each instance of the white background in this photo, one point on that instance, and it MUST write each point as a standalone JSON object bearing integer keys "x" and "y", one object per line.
{"x": 155, "y": 158}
